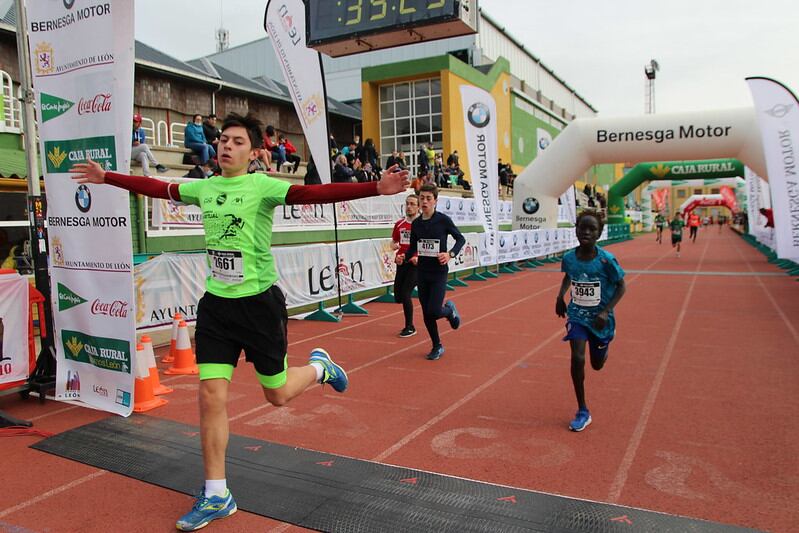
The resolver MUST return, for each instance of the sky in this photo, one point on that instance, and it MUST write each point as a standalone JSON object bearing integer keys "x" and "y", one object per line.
{"x": 705, "y": 48}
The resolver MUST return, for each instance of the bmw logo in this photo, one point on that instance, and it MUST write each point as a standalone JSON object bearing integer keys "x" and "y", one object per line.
{"x": 478, "y": 115}
{"x": 535, "y": 237}
{"x": 83, "y": 198}
{"x": 515, "y": 240}
{"x": 460, "y": 206}
{"x": 449, "y": 204}
{"x": 473, "y": 207}
{"x": 69, "y": 4}
{"x": 502, "y": 242}
{"x": 543, "y": 143}
{"x": 525, "y": 238}
{"x": 530, "y": 206}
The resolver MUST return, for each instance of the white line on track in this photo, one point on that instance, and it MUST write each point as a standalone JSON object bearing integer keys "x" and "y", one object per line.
{"x": 638, "y": 434}
{"x": 771, "y": 299}
{"x": 421, "y": 429}
{"x": 43, "y": 496}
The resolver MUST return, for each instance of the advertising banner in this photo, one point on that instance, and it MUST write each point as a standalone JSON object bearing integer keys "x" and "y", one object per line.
{"x": 82, "y": 65}
{"x": 777, "y": 111}
{"x": 14, "y": 305}
{"x": 480, "y": 125}
{"x": 284, "y": 21}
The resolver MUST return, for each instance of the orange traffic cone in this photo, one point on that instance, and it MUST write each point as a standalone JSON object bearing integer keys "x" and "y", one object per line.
{"x": 143, "y": 397}
{"x": 158, "y": 389}
{"x": 185, "y": 362}
{"x": 175, "y": 321}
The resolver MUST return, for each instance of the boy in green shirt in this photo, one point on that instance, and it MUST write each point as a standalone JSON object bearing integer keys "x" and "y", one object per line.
{"x": 242, "y": 308}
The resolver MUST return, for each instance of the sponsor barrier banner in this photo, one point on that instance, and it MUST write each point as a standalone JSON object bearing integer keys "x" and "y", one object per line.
{"x": 377, "y": 210}
{"x": 82, "y": 65}
{"x": 284, "y": 21}
{"x": 14, "y": 309}
{"x": 777, "y": 111}
{"x": 168, "y": 284}
{"x": 567, "y": 208}
{"x": 480, "y": 125}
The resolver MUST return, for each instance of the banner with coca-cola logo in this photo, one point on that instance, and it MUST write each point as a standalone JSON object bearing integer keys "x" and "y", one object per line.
{"x": 82, "y": 65}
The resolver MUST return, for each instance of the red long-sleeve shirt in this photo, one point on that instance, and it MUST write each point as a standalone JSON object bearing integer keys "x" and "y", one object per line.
{"x": 297, "y": 194}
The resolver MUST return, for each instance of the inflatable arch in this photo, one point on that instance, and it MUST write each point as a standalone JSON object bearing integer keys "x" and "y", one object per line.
{"x": 667, "y": 170}
{"x": 705, "y": 200}
{"x": 728, "y": 133}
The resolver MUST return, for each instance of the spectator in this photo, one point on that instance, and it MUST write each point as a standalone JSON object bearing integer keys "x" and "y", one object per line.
{"x": 402, "y": 161}
{"x": 453, "y": 161}
{"x": 769, "y": 214}
{"x": 502, "y": 171}
{"x": 422, "y": 161}
{"x": 194, "y": 139}
{"x": 333, "y": 147}
{"x": 140, "y": 151}
{"x": 273, "y": 147}
{"x": 199, "y": 171}
{"x": 368, "y": 154}
{"x": 312, "y": 174}
{"x": 393, "y": 159}
{"x": 342, "y": 173}
{"x": 291, "y": 152}
{"x": 210, "y": 130}
{"x": 431, "y": 156}
{"x": 601, "y": 200}
{"x": 349, "y": 152}
{"x": 440, "y": 179}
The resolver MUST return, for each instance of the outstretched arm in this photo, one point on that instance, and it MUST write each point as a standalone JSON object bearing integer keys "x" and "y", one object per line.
{"x": 92, "y": 172}
{"x": 392, "y": 181}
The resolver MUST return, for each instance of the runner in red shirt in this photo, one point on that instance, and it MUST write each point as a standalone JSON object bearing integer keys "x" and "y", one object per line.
{"x": 405, "y": 280}
{"x": 694, "y": 221}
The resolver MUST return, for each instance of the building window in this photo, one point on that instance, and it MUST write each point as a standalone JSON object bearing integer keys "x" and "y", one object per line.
{"x": 715, "y": 191}
{"x": 681, "y": 193}
{"x": 698, "y": 191}
{"x": 410, "y": 115}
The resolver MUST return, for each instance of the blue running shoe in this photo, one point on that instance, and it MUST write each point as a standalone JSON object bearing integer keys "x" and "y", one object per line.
{"x": 454, "y": 318}
{"x": 332, "y": 373}
{"x": 436, "y": 353}
{"x": 581, "y": 420}
{"x": 205, "y": 510}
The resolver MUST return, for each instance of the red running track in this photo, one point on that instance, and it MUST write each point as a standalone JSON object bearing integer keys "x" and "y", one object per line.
{"x": 693, "y": 414}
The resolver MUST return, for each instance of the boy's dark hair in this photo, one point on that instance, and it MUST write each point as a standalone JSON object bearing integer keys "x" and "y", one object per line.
{"x": 270, "y": 130}
{"x": 596, "y": 213}
{"x": 429, "y": 187}
{"x": 250, "y": 122}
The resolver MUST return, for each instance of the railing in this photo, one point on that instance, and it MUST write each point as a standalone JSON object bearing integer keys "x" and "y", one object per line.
{"x": 176, "y": 134}
{"x": 162, "y": 127}
{"x": 148, "y": 126}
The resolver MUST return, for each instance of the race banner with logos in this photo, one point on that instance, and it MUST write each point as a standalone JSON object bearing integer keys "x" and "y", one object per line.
{"x": 777, "y": 111}
{"x": 480, "y": 124}
{"x": 757, "y": 196}
{"x": 14, "y": 305}
{"x": 284, "y": 21}
{"x": 82, "y": 64}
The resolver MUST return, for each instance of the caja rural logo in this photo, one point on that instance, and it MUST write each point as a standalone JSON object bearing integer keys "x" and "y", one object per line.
{"x": 62, "y": 154}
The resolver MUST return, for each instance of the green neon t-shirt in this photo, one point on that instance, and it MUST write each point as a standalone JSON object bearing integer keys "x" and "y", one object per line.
{"x": 237, "y": 217}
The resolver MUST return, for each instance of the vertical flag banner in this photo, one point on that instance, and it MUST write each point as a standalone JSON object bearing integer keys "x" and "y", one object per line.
{"x": 729, "y": 198}
{"x": 284, "y": 21}
{"x": 480, "y": 124}
{"x": 756, "y": 197}
{"x": 82, "y": 64}
{"x": 777, "y": 112}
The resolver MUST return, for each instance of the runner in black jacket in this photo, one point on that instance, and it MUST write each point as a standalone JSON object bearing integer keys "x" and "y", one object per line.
{"x": 429, "y": 249}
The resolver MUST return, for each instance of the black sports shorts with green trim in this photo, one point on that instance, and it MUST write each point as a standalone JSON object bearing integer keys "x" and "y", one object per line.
{"x": 256, "y": 324}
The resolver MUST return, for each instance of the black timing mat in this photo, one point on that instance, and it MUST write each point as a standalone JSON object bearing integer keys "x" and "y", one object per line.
{"x": 333, "y": 493}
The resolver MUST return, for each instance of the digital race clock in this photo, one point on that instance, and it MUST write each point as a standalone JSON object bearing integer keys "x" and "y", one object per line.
{"x": 342, "y": 27}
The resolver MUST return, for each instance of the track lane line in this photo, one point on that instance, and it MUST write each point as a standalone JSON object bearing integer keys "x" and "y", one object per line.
{"x": 635, "y": 440}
